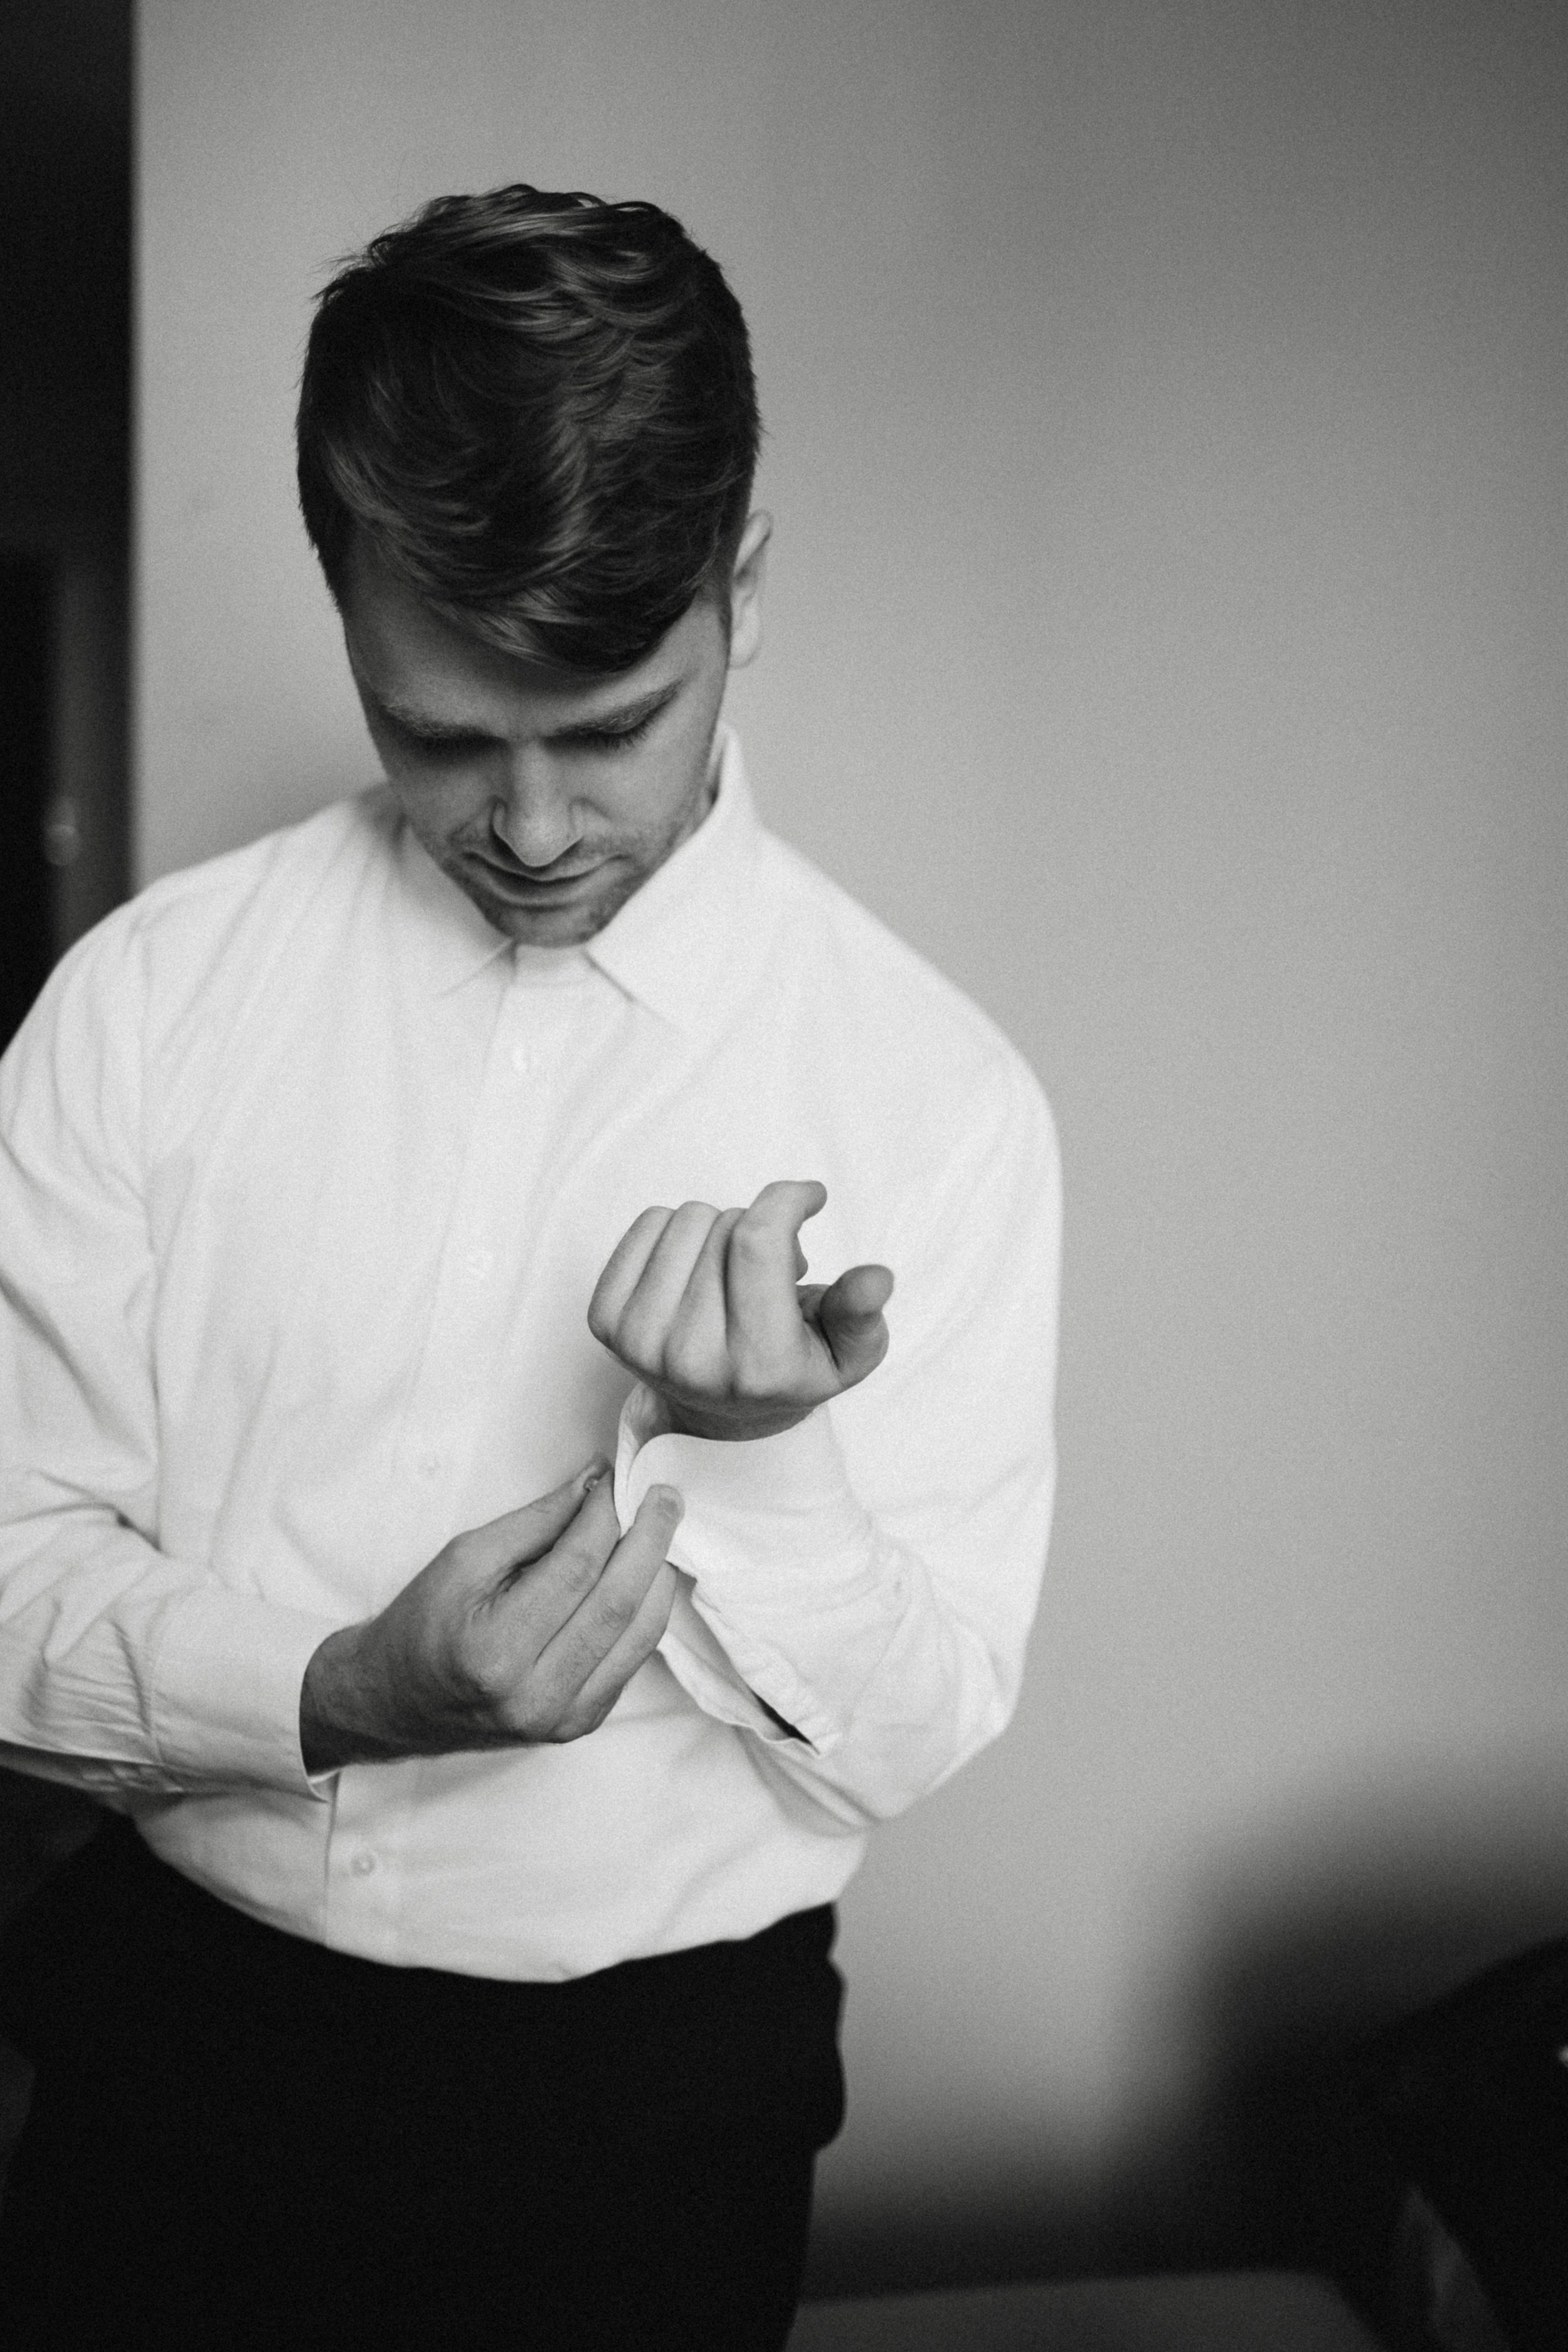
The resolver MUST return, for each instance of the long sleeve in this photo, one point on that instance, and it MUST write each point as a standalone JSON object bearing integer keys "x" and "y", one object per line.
{"x": 871, "y": 1574}
{"x": 122, "y": 1671}
{"x": 305, "y": 1184}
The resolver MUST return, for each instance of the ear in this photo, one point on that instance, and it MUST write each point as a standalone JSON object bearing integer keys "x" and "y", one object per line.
{"x": 746, "y": 590}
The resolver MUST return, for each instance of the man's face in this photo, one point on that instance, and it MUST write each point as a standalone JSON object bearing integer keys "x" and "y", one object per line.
{"x": 547, "y": 799}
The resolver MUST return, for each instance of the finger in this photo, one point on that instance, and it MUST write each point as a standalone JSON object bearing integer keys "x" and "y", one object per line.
{"x": 849, "y": 1316}
{"x": 633, "y": 1651}
{"x": 608, "y": 1609}
{"x": 764, "y": 1263}
{"x": 501, "y": 1547}
{"x": 577, "y": 1559}
{"x": 700, "y": 1332}
{"x": 649, "y": 1314}
{"x": 623, "y": 1271}
{"x": 792, "y": 1200}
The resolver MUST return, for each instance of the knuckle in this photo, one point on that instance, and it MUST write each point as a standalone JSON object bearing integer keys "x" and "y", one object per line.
{"x": 529, "y": 1728}
{"x": 483, "y": 1682}
{"x": 510, "y": 1711}
{"x": 689, "y": 1363}
{"x": 620, "y": 1609}
{"x": 576, "y": 1724}
{"x": 637, "y": 1336}
{"x": 579, "y": 1563}
{"x": 462, "y": 1552}
{"x": 755, "y": 1377}
{"x": 531, "y": 1710}
{"x": 575, "y": 1715}
{"x": 640, "y": 1344}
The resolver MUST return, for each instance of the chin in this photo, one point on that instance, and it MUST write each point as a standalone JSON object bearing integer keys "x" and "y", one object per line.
{"x": 552, "y": 927}
{"x": 546, "y": 931}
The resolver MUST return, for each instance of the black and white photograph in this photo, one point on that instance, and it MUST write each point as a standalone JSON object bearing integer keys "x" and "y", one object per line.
{"x": 783, "y": 1176}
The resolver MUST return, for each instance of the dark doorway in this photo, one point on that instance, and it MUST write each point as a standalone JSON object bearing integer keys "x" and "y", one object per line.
{"x": 65, "y": 406}
{"x": 26, "y": 931}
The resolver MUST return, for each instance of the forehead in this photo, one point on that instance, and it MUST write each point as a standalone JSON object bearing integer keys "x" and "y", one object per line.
{"x": 415, "y": 661}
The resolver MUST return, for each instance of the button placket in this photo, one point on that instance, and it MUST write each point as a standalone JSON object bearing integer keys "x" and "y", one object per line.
{"x": 508, "y": 1145}
{"x": 364, "y": 1885}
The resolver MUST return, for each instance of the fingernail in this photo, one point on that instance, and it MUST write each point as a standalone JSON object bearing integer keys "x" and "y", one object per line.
{"x": 589, "y": 1478}
{"x": 669, "y": 1498}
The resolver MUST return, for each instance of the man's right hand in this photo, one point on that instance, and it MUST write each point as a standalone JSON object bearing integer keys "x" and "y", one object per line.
{"x": 522, "y": 1631}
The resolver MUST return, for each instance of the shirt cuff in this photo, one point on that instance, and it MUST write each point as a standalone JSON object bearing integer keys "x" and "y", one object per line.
{"x": 225, "y": 1692}
{"x": 784, "y": 1596}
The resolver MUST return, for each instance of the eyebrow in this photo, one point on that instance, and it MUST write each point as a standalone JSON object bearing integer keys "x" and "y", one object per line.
{"x": 623, "y": 719}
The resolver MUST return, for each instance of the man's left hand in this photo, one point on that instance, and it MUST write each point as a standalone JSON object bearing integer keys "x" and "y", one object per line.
{"x": 707, "y": 1308}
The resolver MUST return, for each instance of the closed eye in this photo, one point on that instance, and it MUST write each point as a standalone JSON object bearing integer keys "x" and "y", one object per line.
{"x": 610, "y": 739}
{"x": 441, "y": 747}
{"x": 432, "y": 742}
{"x": 437, "y": 742}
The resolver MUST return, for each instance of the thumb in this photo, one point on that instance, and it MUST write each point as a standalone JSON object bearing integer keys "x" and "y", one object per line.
{"x": 521, "y": 1536}
{"x": 849, "y": 1316}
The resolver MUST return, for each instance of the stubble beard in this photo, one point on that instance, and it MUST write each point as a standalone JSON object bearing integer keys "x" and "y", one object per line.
{"x": 630, "y": 866}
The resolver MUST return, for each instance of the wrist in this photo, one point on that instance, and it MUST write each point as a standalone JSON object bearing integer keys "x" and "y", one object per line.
{"x": 337, "y": 1722}
{"x": 739, "y": 1423}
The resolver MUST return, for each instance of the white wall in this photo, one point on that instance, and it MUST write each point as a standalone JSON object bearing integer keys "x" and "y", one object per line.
{"x": 1165, "y": 413}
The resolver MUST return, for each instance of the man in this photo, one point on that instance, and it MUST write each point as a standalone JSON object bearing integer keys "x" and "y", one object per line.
{"x": 500, "y": 1606}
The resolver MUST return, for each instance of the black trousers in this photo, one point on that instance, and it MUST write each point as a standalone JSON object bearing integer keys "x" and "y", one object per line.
{"x": 239, "y": 2139}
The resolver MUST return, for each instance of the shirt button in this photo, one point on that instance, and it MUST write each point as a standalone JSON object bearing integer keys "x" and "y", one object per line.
{"x": 429, "y": 1466}
{"x": 480, "y": 1262}
{"x": 521, "y": 1059}
{"x": 363, "y": 1865}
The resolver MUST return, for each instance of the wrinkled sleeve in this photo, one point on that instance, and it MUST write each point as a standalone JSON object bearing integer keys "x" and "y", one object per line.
{"x": 870, "y": 1575}
{"x": 121, "y": 1671}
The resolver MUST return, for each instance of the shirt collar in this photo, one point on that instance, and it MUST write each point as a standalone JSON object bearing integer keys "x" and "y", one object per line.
{"x": 683, "y": 945}
{"x": 451, "y": 939}
{"x": 686, "y": 943}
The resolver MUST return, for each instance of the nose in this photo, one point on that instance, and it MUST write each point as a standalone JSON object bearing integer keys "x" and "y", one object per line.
{"x": 533, "y": 816}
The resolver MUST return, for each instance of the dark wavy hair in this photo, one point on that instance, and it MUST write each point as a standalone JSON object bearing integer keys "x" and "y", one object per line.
{"x": 540, "y": 410}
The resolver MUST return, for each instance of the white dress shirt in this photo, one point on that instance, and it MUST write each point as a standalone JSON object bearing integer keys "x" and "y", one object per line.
{"x": 308, "y": 1176}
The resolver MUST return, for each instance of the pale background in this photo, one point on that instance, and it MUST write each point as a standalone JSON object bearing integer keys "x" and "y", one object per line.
{"x": 1166, "y": 434}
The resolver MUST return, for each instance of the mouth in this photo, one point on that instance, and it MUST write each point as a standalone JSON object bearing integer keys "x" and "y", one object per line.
{"x": 516, "y": 882}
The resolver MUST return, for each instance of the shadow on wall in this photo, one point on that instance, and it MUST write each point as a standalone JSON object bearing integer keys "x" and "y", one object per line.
{"x": 1341, "y": 1925}
{"x": 1311, "y": 1939}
